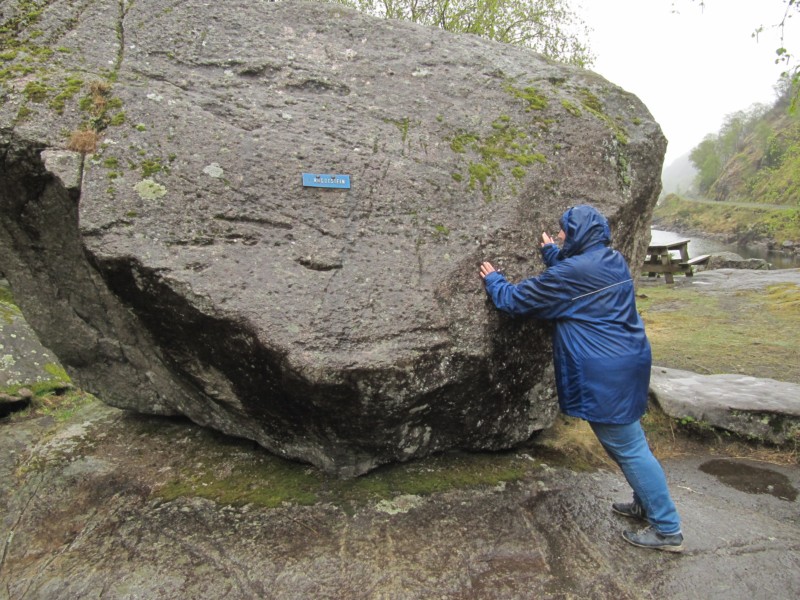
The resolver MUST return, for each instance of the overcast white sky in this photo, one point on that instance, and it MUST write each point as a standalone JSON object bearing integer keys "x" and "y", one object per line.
{"x": 693, "y": 68}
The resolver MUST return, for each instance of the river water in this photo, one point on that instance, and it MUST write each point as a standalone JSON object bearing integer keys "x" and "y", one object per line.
{"x": 699, "y": 245}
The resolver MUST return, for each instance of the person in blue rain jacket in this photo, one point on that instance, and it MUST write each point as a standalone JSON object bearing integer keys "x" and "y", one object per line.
{"x": 601, "y": 356}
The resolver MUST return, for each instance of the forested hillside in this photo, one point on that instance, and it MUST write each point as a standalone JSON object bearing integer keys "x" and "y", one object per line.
{"x": 755, "y": 157}
{"x": 750, "y": 170}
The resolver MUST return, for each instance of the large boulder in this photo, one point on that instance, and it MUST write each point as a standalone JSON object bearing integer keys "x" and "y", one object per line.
{"x": 181, "y": 267}
{"x": 763, "y": 409}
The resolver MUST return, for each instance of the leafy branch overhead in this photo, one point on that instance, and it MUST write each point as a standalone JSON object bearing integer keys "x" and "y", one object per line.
{"x": 783, "y": 54}
{"x": 546, "y": 26}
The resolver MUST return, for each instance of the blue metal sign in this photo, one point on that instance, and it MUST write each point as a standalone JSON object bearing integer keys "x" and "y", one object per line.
{"x": 326, "y": 181}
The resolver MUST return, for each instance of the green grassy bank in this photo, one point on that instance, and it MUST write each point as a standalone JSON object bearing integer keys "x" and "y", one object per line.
{"x": 746, "y": 222}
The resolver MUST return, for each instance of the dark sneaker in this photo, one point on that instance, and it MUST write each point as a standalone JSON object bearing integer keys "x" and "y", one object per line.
{"x": 650, "y": 538}
{"x": 629, "y": 509}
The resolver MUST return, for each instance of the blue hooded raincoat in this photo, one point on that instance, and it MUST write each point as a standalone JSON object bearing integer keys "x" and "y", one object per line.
{"x": 600, "y": 350}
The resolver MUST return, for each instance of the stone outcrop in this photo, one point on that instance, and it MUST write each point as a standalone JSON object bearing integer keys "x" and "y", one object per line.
{"x": 23, "y": 359}
{"x": 731, "y": 260}
{"x": 764, "y": 409}
{"x": 180, "y": 267}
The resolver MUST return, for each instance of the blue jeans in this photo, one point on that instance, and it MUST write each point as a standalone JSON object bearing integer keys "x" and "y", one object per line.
{"x": 628, "y": 447}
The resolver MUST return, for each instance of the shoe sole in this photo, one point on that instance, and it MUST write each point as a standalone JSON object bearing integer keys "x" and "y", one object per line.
{"x": 665, "y": 548}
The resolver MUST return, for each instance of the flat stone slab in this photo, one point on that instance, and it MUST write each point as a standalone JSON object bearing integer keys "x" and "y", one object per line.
{"x": 740, "y": 279}
{"x": 751, "y": 406}
{"x": 731, "y": 260}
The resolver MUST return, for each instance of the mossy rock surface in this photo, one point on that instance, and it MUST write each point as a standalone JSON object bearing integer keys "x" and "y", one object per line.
{"x": 24, "y": 361}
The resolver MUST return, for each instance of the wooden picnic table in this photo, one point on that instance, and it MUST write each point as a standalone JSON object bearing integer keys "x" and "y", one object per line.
{"x": 661, "y": 260}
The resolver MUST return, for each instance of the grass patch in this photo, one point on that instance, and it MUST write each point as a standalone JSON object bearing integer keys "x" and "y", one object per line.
{"x": 440, "y": 473}
{"x": 404, "y": 125}
{"x": 51, "y": 398}
{"x": 241, "y": 479}
{"x": 749, "y": 332}
{"x": 36, "y": 91}
{"x": 71, "y": 87}
{"x": 673, "y": 438}
{"x": 571, "y": 108}
{"x": 8, "y": 310}
{"x": 5, "y": 295}
{"x": 84, "y": 141}
{"x": 571, "y": 443}
{"x": 529, "y": 95}
{"x": 99, "y": 103}
{"x": 592, "y": 104}
{"x": 61, "y": 406}
{"x": 235, "y": 472}
{"x": 151, "y": 166}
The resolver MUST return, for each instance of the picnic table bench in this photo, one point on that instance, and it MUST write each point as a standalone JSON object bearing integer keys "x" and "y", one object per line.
{"x": 660, "y": 260}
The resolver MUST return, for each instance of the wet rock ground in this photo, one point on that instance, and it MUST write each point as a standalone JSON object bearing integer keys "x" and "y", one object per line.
{"x": 97, "y": 502}
{"x": 88, "y": 512}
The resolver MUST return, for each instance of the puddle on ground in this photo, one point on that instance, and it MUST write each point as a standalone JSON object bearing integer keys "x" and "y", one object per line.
{"x": 753, "y": 480}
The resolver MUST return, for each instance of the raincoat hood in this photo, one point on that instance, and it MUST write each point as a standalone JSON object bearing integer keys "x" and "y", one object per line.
{"x": 585, "y": 228}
